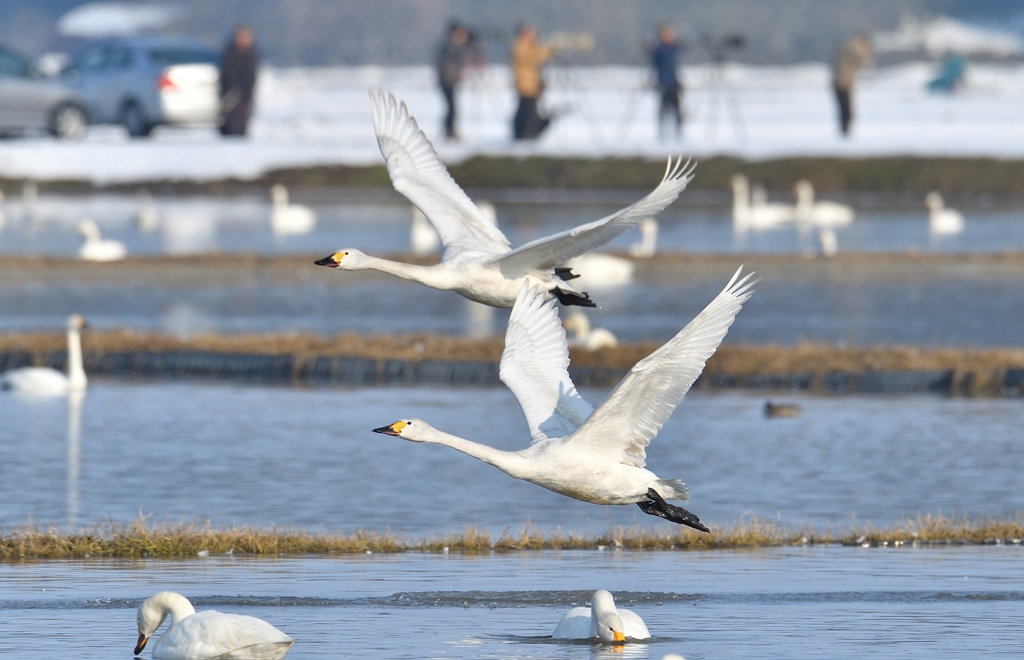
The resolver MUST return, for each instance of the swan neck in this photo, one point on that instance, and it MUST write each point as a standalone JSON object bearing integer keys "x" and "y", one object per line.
{"x": 178, "y": 607}
{"x": 76, "y": 371}
{"x": 424, "y": 274}
{"x": 511, "y": 463}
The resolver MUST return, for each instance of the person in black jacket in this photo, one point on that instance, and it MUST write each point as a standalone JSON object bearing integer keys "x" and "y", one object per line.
{"x": 237, "y": 82}
{"x": 452, "y": 58}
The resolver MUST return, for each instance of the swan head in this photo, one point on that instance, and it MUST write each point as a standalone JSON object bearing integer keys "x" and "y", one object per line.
{"x": 278, "y": 194}
{"x": 739, "y": 183}
{"x": 409, "y": 429}
{"x": 933, "y": 201}
{"x": 76, "y": 322}
{"x": 86, "y": 227}
{"x": 346, "y": 259}
{"x": 605, "y": 622}
{"x": 803, "y": 189}
{"x": 155, "y": 609}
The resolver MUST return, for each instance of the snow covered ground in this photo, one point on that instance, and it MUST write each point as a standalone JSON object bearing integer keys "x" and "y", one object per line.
{"x": 321, "y": 116}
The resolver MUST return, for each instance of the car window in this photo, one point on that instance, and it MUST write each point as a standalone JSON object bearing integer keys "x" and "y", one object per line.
{"x": 91, "y": 59}
{"x": 119, "y": 57}
{"x": 12, "y": 65}
{"x": 172, "y": 56}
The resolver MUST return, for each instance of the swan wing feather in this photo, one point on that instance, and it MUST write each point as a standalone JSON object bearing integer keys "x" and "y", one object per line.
{"x": 642, "y": 402}
{"x": 534, "y": 366}
{"x": 547, "y": 253}
{"x": 417, "y": 172}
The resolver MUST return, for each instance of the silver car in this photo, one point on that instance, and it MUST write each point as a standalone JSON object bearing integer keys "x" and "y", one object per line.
{"x": 142, "y": 82}
{"x": 31, "y": 101}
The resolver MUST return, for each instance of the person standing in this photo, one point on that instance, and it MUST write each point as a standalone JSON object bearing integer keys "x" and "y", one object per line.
{"x": 664, "y": 58}
{"x": 238, "y": 65}
{"x": 853, "y": 54}
{"x": 528, "y": 56}
{"x": 452, "y": 57}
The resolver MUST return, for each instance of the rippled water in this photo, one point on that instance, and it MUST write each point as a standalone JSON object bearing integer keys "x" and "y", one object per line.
{"x": 307, "y": 458}
{"x": 817, "y": 602}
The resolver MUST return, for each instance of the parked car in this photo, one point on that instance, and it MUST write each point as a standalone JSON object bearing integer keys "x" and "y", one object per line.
{"x": 145, "y": 81}
{"x": 30, "y": 100}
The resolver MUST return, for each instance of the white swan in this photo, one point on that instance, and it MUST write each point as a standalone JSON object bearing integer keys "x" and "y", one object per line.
{"x": 602, "y": 620}
{"x": 763, "y": 215}
{"x": 599, "y": 270}
{"x": 423, "y": 238}
{"x": 207, "y": 634}
{"x": 44, "y": 381}
{"x": 819, "y": 214}
{"x": 287, "y": 218}
{"x": 942, "y": 221}
{"x": 828, "y": 241}
{"x": 648, "y": 244}
{"x": 477, "y": 262}
{"x": 578, "y": 324}
{"x": 96, "y": 248}
{"x": 146, "y": 218}
{"x": 594, "y": 455}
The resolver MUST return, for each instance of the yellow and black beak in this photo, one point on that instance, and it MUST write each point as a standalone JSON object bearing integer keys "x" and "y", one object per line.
{"x": 331, "y": 261}
{"x": 395, "y": 429}
{"x": 142, "y": 643}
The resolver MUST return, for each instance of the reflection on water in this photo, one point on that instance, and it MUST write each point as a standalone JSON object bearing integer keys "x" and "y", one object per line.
{"x": 307, "y": 458}
{"x": 74, "y": 454}
{"x": 814, "y": 602}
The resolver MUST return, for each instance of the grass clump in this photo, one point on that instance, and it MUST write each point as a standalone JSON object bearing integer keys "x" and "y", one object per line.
{"x": 141, "y": 539}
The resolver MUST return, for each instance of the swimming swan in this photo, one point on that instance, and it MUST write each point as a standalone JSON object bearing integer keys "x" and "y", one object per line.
{"x": 648, "y": 244}
{"x": 44, "y": 381}
{"x": 942, "y": 221}
{"x": 582, "y": 335}
{"x": 208, "y": 634}
{"x": 96, "y": 248}
{"x": 763, "y": 215}
{"x": 819, "y": 214}
{"x": 287, "y": 218}
{"x": 602, "y": 620}
{"x": 478, "y": 262}
{"x": 594, "y": 455}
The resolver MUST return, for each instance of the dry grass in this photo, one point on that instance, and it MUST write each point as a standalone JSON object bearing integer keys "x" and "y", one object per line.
{"x": 140, "y": 539}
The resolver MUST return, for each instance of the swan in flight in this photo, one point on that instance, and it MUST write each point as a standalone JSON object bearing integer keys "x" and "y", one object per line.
{"x": 96, "y": 248}
{"x": 602, "y": 620}
{"x": 44, "y": 381}
{"x": 287, "y": 218}
{"x": 207, "y": 634}
{"x": 942, "y": 221}
{"x": 762, "y": 215}
{"x": 594, "y": 455}
{"x": 478, "y": 262}
{"x": 819, "y": 214}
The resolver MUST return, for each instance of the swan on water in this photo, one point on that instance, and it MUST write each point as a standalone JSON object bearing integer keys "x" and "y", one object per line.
{"x": 207, "y": 634}
{"x": 648, "y": 244}
{"x": 602, "y": 620}
{"x": 577, "y": 323}
{"x": 44, "y": 381}
{"x": 942, "y": 221}
{"x": 763, "y": 215}
{"x": 819, "y": 213}
{"x": 594, "y": 455}
{"x": 478, "y": 262}
{"x": 146, "y": 217}
{"x": 288, "y": 218}
{"x": 96, "y": 248}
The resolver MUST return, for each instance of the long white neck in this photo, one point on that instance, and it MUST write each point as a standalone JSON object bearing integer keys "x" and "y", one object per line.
{"x": 740, "y": 196}
{"x": 511, "y": 463}
{"x": 432, "y": 276}
{"x": 76, "y": 372}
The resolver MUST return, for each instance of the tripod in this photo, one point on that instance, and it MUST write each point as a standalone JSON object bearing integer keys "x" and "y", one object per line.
{"x": 720, "y": 92}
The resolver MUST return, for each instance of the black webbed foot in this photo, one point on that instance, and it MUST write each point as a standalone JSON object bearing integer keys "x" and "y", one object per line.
{"x": 656, "y": 505}
{"x": 572, "y": 298}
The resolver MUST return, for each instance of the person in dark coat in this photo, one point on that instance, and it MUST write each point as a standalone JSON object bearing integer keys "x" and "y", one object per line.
{"x": 452, "y": 58}
{"x": 238, "y": 65}
{"x": 664, "y": 57}
{"x": 854, "y": 54}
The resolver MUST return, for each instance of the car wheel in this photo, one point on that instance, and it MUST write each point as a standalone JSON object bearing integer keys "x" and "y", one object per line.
{"x": 134, "y": 121}
{"x": 68, "y": 122}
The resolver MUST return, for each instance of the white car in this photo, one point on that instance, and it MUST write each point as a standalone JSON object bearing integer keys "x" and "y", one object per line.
{"x": 146, "y": 81}
{"x": 31, "y": 101}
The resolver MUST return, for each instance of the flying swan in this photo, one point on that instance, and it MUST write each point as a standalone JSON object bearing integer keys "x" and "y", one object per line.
{"x": 208, "y": 634}
{"x": 594, "y": 455}
{"x": 478, "y": 262}
{"x": 44, "y": 381}
{"x": 602, "y": 620}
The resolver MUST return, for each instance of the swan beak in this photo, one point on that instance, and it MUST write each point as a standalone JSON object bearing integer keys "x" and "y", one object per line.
{"x": 331, "y": 261}
{"x": 618, "y": 638}
{"x": 142, "y": 643}
{"x": 395, "y": 429}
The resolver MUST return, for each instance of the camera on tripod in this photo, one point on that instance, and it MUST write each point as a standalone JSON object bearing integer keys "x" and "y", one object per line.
{"x": 718, "y": 46}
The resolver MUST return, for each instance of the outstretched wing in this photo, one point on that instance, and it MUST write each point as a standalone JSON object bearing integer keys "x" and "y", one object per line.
{"x": 535, "y": 365}
{"x": 417, "y": 172}
{"x": 643, "y": 400}
{"x": 555, "y": 250}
